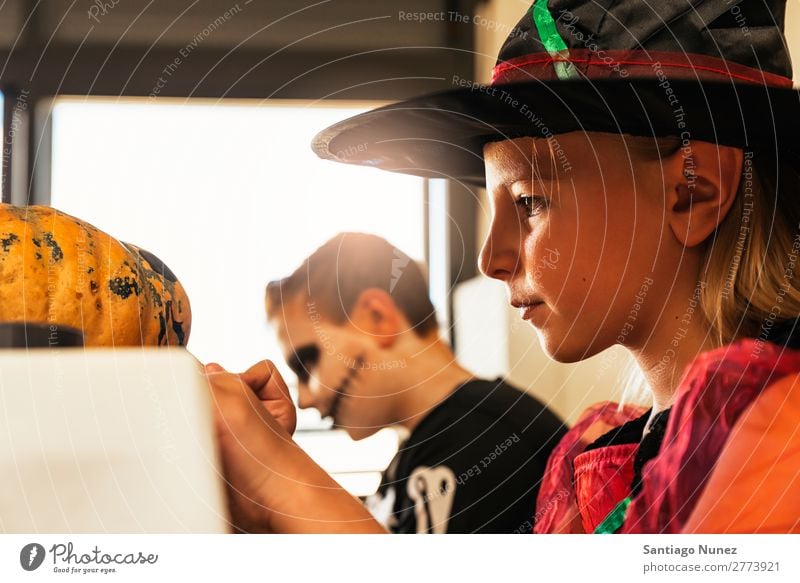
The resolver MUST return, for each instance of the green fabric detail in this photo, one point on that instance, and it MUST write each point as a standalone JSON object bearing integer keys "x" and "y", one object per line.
{"x": 615, "y": 518}
{"x": 553, "y": 43}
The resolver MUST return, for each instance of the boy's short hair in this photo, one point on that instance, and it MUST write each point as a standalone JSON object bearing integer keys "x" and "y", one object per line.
{"x": 335, "y": 275}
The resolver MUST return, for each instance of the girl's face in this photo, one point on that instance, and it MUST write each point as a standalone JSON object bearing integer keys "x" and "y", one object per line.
{"x": 580, "y": 237}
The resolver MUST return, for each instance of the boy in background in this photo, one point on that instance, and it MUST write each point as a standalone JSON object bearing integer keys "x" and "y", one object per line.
{"x": 358, "y": 328}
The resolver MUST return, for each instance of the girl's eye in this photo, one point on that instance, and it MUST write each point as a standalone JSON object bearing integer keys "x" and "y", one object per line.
{"x": 532, "y": 205}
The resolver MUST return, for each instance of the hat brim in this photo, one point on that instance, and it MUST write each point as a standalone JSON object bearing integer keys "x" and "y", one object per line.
{"x": 442, "y": 135}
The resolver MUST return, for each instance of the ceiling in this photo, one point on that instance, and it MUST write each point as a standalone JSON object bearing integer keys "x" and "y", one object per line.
{"x": 244, "y": 48}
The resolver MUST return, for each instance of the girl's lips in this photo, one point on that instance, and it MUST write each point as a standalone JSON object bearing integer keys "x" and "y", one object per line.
{"x": 529, "y": 310}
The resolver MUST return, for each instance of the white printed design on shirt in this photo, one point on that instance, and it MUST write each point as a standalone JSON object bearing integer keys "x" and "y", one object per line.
{"x": 382, "y": 507}
{"x": 432, "y": 490}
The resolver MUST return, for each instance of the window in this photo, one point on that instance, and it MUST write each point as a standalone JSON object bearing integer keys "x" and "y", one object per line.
{"x": 229, "y": 196}
{"x": 6, "y": 146}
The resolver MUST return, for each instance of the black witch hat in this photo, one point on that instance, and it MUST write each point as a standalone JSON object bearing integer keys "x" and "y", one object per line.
{"x": 710, "y": 70}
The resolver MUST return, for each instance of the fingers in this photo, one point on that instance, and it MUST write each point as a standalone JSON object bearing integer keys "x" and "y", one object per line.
{"x": 229, "y": 397}
{"x": 262, "y": 384}
{"x": 263, "y": 377}
{"x": 265, "y": 380}
{"x": 235, "y": 400}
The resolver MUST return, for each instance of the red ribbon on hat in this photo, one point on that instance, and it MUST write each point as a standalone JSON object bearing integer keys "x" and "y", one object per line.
{"x": 630, "y": 64}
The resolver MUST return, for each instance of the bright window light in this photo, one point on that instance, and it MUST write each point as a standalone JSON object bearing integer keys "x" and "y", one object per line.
{"x": 5, "y": 146}
{"x": 229, "y": 196}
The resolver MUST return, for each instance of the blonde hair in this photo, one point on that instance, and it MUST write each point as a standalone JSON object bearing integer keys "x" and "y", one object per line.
{"x": 747, "y": 286}
{"x": 748, "y": 281}
{"x": 749, "y": 274}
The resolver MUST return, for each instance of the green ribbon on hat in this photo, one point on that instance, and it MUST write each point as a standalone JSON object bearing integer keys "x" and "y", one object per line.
{"x": 615, "y": 518}
{"x": 552, "y": 40}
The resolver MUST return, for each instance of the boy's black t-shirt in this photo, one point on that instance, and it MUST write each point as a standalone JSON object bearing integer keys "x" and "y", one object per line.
{"x": 473, "y": 464}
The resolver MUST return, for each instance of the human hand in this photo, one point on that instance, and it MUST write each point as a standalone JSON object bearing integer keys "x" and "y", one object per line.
{"x": 268, "y": 385}
{"x": 273, "y": 486}
{"x": 249, "y": 437}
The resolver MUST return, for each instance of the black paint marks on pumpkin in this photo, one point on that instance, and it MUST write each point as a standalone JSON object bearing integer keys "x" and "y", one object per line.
{"x": 94, "y": 287}
{"x": 38, "y": 255}
{"x": 37, "y": 242}
{"x": 157, "y": 265}
{"x": 169, "y": 316}
{"x": 55, "y": 251}
{"x": 154, "y": 293}
{"x": 124, "y": 286}
{"x": 162, "y": 328}
{"x": 177, "y": 327}
{"x": 8, "y": 241}
{"x": 90, "y": 270}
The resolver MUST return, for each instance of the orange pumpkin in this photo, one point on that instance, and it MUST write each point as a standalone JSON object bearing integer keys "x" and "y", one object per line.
{"x": 59, "y": 270}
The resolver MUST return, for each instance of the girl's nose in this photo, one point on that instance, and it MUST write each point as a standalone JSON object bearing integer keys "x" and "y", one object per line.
{"x": 499, "y": 258}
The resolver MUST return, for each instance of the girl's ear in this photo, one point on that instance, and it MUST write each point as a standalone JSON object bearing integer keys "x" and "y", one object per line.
{"x": 702, "y": 183}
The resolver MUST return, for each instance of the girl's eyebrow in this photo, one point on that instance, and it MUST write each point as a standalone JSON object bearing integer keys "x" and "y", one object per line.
{"x": 515, "y": 175}
{"x": 541, "y": 174}
{"x": 515, "y": 164}
{"x": 508, "y": 170}
{"x": 543, "y": 163}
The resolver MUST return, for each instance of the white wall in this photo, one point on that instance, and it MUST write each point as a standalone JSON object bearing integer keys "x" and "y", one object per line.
{"x": 503, "y": 16}
{"x": 793, "y": 35}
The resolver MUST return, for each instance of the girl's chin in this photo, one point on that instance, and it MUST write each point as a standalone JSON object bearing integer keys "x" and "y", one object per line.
{"x": 563, "y": 348}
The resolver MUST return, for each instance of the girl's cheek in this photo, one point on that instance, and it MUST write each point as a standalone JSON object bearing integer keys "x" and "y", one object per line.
{"x": 544, "y": 260}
